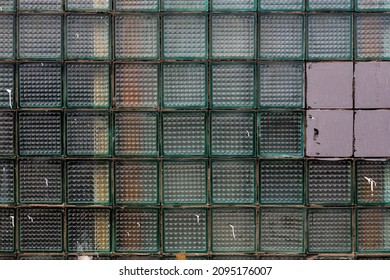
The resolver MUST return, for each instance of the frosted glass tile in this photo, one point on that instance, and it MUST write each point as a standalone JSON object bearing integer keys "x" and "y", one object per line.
{"x": 7, "y": 82}
{"x": 281, "y": 5}
{"x": 85, "y": 5}
{"x": 330, "y": 5}
{"x": 7, "y": 36}
{"x": 7, "y": 230}
{"x": 233, "y": 5}
{"x": 7, "y": 183}
{"x": 40, "y": 5}
{"x": 136, "y": 5}
{"x": 373, "y": 5}
{"x": 185, "y": 5}
{"x": 7, "y": 5}
{"x": 7, "y": 127}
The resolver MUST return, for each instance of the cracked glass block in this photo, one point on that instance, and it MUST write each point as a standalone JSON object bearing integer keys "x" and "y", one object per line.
{"x": 88, "y": 85}
{"x": 7, "y": 37}
{"x": 185, "y": 230}
{"x": 137, "y": 36}
{"x": 136, "y": 182}
{"x": 329, "y": 36}
{"x": 282, "y": 230}
{"x": 233, "y": 182}
{"x": 233, "y": 85}
{"x": 40, "y": 5}
{"x": 7, "y": 5}
{"x": 329, "y": 230}
{"x": 89, "y": 230}
{"x": 7, "y": 124}
{"x": 136, "y": 85}
{"x": 282, "y": 84}
{"x": 7, "y": 183}
{"x": 184, "y": 182}
{"x": 373, "y": 5}
{"x": 184, "y": 134}
{"x": 88, "y": 37}
{"x": 281, "y": 134}
{"x": 233, "y": 36}
{"x": 136, "y": 134}
{"x": 330, "y": 182}
{"x": 88, "y": 133}
{"x": 185, "y": 36}
{"x": 281, "y": 5}
{"x": 330, "y": 5}
{"x": 281, "y": 181}
{"x": 233, "y": 230}
{"x": 40, "y": 85}
{"x": 232, "y": 134}
{"x": 184, "y": 85}
{"x": 281, "y": 36}
{"x": 185, "y": 5}
{"x": 86, "y": 5}
{"x": 233, "y": 5}
{"x": 41, "y": 229}
{"x": 40, "y": 133}
{"x": 40, "y": 181}
{"x": 7, "y": 230}
{"x": 88, "y": 182}
{"x": 36, "y": 40}
{"x": 137, "y": 230}
{"x": 137, "y": 5}
{"x": 7, "y": 81}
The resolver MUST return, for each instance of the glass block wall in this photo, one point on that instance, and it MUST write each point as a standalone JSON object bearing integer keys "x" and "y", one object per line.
{"x": 221, "y": 129}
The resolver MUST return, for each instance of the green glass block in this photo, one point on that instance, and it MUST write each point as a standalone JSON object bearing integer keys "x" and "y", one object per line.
{"x": 282, "y": 230}
{"x": 184, "y": 134}
{"x": 233, "y": 182}
{"x": 184, "y": 182}
{"x": 7, "y": 133}
{"x": 88, "y": 36}
{"x": 329, "y": 230}
{"x": 233, "y": 85}
{"x": 136, "y": 134}
{"x": 137, "y": 5}
{"x": 185, "y": 36}
{"x": 281, "y": 5}
{"x": 185, "y": 230}
{"x": 40, "y": 133}
{"x": 330, "y": 5}
{"x": 281, "y": 85}
{"x": 88, "y": 230}
{"x": 7, "y": 36}
{"x": 185, "y": 5}
{"x": 41, "y": 5}
{"x": 40, "y": 85}
{"x": 87, "y": 5}
{"x": 281, "y": 37}
{"x": 373, "y": 5}
{"x": 329, "y": 37}
{"x": 137, "y": 230}
{"x": 7, "y": 5}
{"x": 330, "y": 182}
{"x": 7, "y": 71}
{"x": 40, "y": 229}
{"x": 7, "y": 183}
{"x": 88, "y": 182}
{"x": 281, "y": 181}
{"x": 40, "y": 181}
{"x": 7, "y": 229}
{"x": 8, "y": 258}
{"x": 136, "y": 85}
{"x": 190, "y": 258}
{"x": 135, "y": 257}
{"x": 88, "y": 133}
{"x": 233, "y": 230}
{"x": 41, "y": 258}
{"x": 184, "y": 85}
{"x": 36, "y": 40}
{"x": 281, "y": 134}
{"x": 233, "y": 258}
{"x": 233, "y": 5}
{"x": 285, "y": 258}
{"x": 136, "y": 182}
{"x": 233, "y": 36}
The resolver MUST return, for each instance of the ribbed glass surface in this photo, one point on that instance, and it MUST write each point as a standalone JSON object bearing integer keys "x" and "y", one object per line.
{"x": 7, "y": 181}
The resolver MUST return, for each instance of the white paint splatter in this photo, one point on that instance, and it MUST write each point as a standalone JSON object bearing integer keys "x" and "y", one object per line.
{"x": 31, "y": 219}
{"x": 47, "y": 182}
{"x": 139, "y": 225}
{"x": 9, "y": 96}
{"x": 372, "y": 184}
{"x": 197, "y": 218}
{"x": 247, "y": 132}
{"x": 234, "y": 235}
{"x": 12, "y": 220}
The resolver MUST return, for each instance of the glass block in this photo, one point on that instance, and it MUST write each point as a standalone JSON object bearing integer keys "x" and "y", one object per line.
{"x": 136, "y": 134}
{"x": 233, "y": 85}
{"x": 136, "y": 182}
{"x": 86, "y": 5}
{"x": 40, "y": 133}
{"x": 281, "y": 134}
{"x": 7, "y": 183}
{"x": 281, "y": 5}
{"x": 373, "y": 230}
{"x": 7, "y": 37}
{"x": 88, "y": 37}
{"x": 11, "y": 257}
{"x": 286, "y": 258}
{"x": 282, "y": 230}
{"x": 40, "y": 85}
{"x": 329, "y": 37}
{"x": 36, "y": 40}
{"x": 185, "y": 36}
{"x": 184, "y": 182}
{"x": 233, "y": 182}
{"x": 42, "y": 258}
{"x": 329, "y": 230}
{"x": 7, "y": 230}
{"x": 185, "y": 230}
{"x": 233, "y": 258}
{"x": 185, "y": 5}
{"x": 137, "y": 36}
{"x": 281, "y": 181}
{"x": 184, "y": 134}
{"x": 41, "y": 229}
{"x": 232, "y": 134}
{"x": 184, "y": 85}
{"x": 40, "y": 181}
{"x": 41, "y": 5}
{"x": 137, "y": 5}
{"x": 136, "y": 85}
{"x": 88, "y": 182}
{"x": 281, "y": 37}
{"x": 7, "y": 124}
{"x": 330, "y": 182}
{"x": 373, "y": 5}
{"x": 233, "y": 36}
{"x": 233, "y": 5}
{"x": 137, "y": 230}
{"x": 88, "y": 133}
{"x": 330, "y": 5}
{"x": 88, "y": 230}
{"x": 233, "y": 230}
{"x": 7, "y": 82}
{"x": 282, "y": 85}
{"x": 7, "y": 5}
